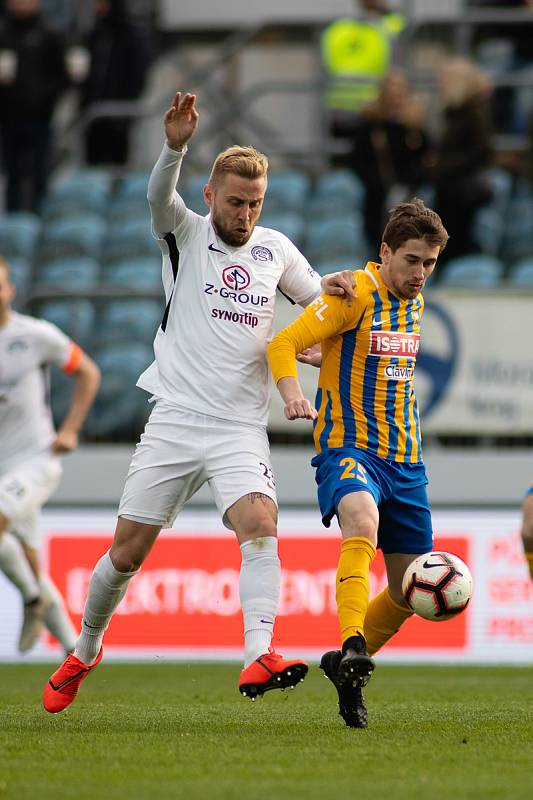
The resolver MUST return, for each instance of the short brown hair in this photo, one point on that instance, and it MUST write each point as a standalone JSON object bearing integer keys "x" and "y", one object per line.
{"x": 413, "y": 220}
{"x": 244, "y": 161}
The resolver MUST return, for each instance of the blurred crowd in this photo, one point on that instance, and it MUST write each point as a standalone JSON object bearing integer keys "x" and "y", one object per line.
{"x": 44, "y": 50}
{"x": 393, "y": 140}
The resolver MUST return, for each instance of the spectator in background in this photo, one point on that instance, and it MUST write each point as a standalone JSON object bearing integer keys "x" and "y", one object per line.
{"x": 357, "y": 53}
{"x": 463, "y": 153}
{"x": 121, "y": 50}
{"x": 33, "y": 76}
{"x": 389, "y": 146}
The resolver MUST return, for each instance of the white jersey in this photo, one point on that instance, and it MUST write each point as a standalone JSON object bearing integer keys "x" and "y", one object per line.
{"x": 27, "y": 347}
{"x": 210, "y": 351}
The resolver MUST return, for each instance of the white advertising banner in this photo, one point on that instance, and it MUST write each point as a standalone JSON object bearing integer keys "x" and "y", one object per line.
{"x": 184, "y": 604}
{"x": 474, "y": 370}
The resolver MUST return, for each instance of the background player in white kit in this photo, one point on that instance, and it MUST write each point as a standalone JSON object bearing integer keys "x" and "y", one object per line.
{"x": 30, "y": 467}
{"x": 210, "y": 381}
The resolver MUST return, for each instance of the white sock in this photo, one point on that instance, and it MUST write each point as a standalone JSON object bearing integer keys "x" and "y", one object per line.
{"x": 259, "y": 588}
{"x": 106, "y": 589}
{"x": 57, "y": 619}
{"x": 16, "y": 568}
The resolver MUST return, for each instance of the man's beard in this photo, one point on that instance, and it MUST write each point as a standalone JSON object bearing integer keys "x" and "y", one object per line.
{"x": 233, "y": 238}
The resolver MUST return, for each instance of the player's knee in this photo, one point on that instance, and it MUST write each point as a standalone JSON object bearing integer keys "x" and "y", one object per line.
{"x": 127, "y": 559}
{"x": 259, "y": 527}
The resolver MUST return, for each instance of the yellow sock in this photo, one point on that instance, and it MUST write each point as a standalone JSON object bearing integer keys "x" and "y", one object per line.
{"x": 529, "y": 559}
{"x": 353, "y": 584}
{"x": 383, "y": 618}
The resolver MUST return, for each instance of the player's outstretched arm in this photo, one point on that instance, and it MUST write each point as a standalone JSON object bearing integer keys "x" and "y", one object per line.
{"x": 296, "y": 405}
{"x": 86, "y": 383}
{"x": 181, "y": 120}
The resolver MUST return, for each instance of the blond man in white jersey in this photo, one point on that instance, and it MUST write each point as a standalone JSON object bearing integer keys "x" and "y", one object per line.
{"x": 30, "y": 467}
{"x": 210, "y": 381}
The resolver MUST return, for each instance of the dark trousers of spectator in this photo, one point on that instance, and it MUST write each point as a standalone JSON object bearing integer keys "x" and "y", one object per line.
{"x": 107, "y": 142}
{"x": 458, "y": 219}
{"x": 25, "y": 148}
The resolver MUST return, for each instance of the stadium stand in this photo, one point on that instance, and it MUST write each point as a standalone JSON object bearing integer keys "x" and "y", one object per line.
{"x": 80, "y": 235}
{"x": 19, "y": 234}
{"x": 521, "y": 274}
{"x": 473, "y": 271}
{"x": 69, "y": 274}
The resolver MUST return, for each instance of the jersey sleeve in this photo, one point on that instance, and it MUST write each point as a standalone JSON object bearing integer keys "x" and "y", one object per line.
{"x": 167, "y": 208}
{"x": 56, "y": 348}
{"x": 299, "y": 282}
{"x": 324, "y": 317}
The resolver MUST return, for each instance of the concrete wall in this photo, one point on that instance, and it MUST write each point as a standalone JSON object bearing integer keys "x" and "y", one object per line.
{"x": 94, "y": 475}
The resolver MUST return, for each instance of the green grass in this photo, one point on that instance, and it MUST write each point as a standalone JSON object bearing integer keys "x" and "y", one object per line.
{"x": 183, "y": 731}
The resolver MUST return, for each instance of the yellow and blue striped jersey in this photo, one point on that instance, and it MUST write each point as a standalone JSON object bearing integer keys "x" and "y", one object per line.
{"x": 365, "y": 396}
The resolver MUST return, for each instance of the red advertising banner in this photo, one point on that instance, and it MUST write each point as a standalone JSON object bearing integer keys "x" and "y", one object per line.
{"x": 186, "y": 597}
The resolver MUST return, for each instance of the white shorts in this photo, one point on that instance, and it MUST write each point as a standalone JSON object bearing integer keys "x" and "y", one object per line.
{"x": 180, "y": 450}
{"x": 24, "y": 490}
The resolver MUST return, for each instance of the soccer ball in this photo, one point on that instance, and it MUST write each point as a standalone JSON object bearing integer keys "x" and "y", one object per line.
{"x": 437, "y": 586}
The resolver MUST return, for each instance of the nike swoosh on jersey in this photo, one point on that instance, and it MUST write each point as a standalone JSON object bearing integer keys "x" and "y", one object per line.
{"x": 377, "y": 322}
{"x": 347, "y": 578}
{"x": 215, "y": 249}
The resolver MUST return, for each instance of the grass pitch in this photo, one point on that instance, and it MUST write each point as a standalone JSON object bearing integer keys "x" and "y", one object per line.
{"x": 183, "y": 731}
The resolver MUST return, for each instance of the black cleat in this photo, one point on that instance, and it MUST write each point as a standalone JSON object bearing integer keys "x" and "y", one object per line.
{"x": 355, "y": 664}
{"x": 348, "y": 684}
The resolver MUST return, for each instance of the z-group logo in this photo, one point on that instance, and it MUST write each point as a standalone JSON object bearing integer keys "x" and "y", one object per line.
{"x": 402, "y": 345}
{"x": 236, "y": 280}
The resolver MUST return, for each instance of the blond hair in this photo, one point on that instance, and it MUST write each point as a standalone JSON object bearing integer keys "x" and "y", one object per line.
{"x": 462, "y": 80}
{"x": 244, "y": 161}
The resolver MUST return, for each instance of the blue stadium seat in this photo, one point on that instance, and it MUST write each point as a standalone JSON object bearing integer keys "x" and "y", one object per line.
{"x": 521, "y": 274}
{"x": 518, "y": 231}
{"x": 335, "y": 265}
{"x": 335, "y": 239}
{"x": 21, "y": 275}
{"x": 130, "y": 320}
{"x": 75, "y": 317}
{"x": 287, "y": 191}
{"x": 73, "y": 236}
{"x": 476, "y": 271}
{"x": 86, "y": 191}
{"x": 192, "y": 192}
{"x": 69, "y": 274}
{"x": 488, "y": 228}
{"x": 288, "y": 222}
{"x": 130, "y": 239}
{"x": 501, "y": 184}
{"x": 124, "y": 209}
{"x": 120, "y": 408}
{"x": 19, "y": 233}
{"x": 133, "y": 186}
{"x": 336, "y": 192}
{"x": 136, "y": 273}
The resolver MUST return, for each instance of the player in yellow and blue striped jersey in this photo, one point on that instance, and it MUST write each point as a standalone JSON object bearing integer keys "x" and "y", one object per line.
{"x": 369, "y": 467}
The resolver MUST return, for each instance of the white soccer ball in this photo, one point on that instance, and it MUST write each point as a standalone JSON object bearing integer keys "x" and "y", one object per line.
{"x": 437, "y": 586}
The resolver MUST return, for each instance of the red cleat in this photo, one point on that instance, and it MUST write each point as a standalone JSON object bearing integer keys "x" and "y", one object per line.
{"x": 64, "y": 684}
{"x": 270, "y": 671}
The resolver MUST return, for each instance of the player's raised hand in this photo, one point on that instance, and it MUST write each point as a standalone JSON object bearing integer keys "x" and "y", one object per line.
{"x": 300, "y": 409}
{"x": 340, "y": 283}
{"x": 312, "y": 356}
{"x": 181, "y": 120}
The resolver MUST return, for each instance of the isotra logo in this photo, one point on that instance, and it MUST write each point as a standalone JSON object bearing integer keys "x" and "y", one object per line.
{"x": 236, "y": 278}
